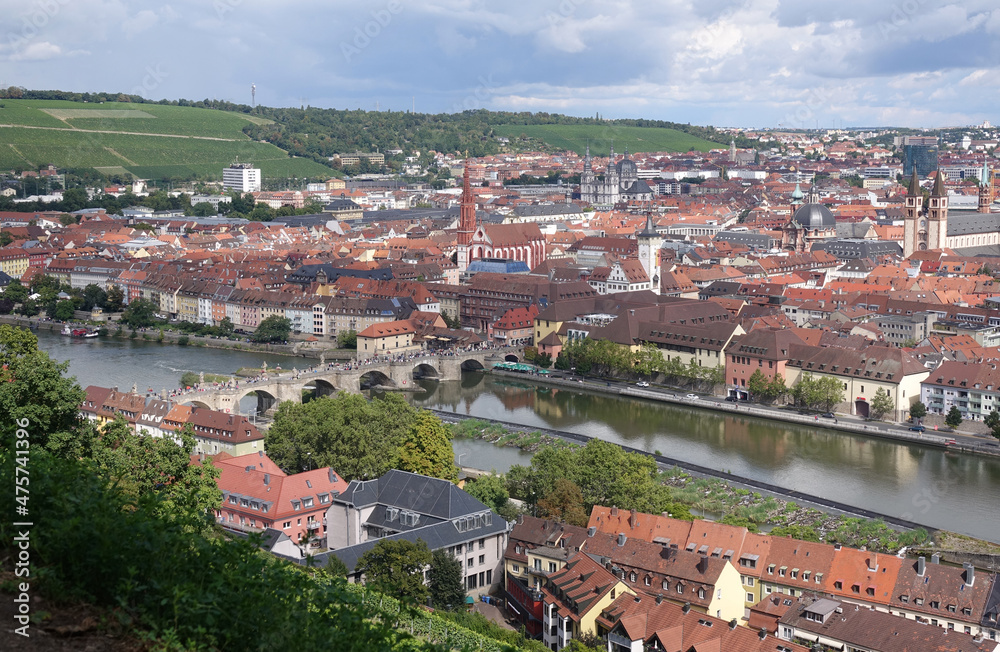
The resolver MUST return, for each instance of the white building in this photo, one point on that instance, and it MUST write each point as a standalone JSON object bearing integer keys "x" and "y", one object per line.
{"x": 241, "y": 177}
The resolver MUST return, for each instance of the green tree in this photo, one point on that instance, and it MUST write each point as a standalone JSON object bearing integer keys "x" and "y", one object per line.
{"x": 94, "y": 297}
{"x": 543, "y": 360}
{"x": 918, "y": 410}
{"x": 881, "y": 404}
{"x": 64, "y": 310}
{"x": 562, "y": 362}
{"x": 5, "y": 238}
{"x": 347, "y": 339}
{"x": 451, "y": 322}
{"x": 15, "y": 291}
{"x": 757, "y": 385}
{"x": 954, "y": 417}
{"x": 203, "y": 209}
{"x": 396, "y": 567}
{"x": 139, "y": 314}
{"x": 115, "y": 299}
{"x": 427, "y": 450}
{"x": 29, "y": 308}
{"x": 491, "y": 490}
{"x": 357, "y": 438}
{"x": 447, "y": 587}
{"x": 272, "y": 329}
{"x": 992, "y": 421}
{"x": 226, "y": 327}
{"x": 34, "y": 390}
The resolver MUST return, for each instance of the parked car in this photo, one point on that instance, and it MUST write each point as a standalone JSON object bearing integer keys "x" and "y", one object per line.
{"x": 732, "y": 398}
{"x": 950, "y": 442}
{"x": 692, "y": 396}
{"x": 642, "y": 383}
{"x": 917, "y": 428}
{"x": 828, "y": 415}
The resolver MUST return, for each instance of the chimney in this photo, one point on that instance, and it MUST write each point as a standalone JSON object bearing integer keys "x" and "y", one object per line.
{"x": 970, "y": 574}
{"x": 614, "y": 511}
{"x": 621, "y": 538}
{"x": 267, "y": 478}
{"x": 936, "y": 558}
{"x": 659, "y": 598}
{"x": 331, "y": 475}
{"x": 733, "y": 624}
{"x": 686, "y": 608}
{"x": 632, "y": 519}
{"x": 762, "y": 634}
{"x": 591, "y": 531}
{"x": 921, "y": 565}
{"x": 836, "y": 546}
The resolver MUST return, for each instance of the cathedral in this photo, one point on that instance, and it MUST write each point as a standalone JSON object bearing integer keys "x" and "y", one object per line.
{"x": 810, "y": 222}
{"x": 936, "y": 227}
{"x": 621, "y": 182}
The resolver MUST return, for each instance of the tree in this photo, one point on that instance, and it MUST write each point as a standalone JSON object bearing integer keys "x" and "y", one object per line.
{"x": 94, "y": 297}
{"x": 5, "y": 238}
{"x": 203, "y": 209}
{"x": 491, "y": 490}
{"x": 918, "y": 411}
{"x": 347, "y": 339}
{"x": 992, "y": 421}
{"x": 447, "y": 586}
{"x": 449, "y": 321}
{"x": 427, "y": 450}
{"x": 357, "y": 438}
{"x": 396, "y": 567}
{"x": 543, "y": 360}
{"x": 273, "y": 329}
{"x": 881, "y": 404}
{"x": 15, "y": 291}
{"x": 64, "y": 310}
{"x": 226, "y": 327}
{"x": 115, "y": 299}
{"x": 29, "y": 308}
{"x": 954, "y": 417}
{"x": 139, "y": 314}
{"x": 562, "y": 362}
{"x": 33, "y": 389}
{"x": 564, "y": 503}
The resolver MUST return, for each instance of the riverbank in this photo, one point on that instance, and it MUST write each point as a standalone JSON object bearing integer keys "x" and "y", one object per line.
{"x": 952, "y": 441}
{"x": 294, "y": 349}
{"x": 723, "y": 497}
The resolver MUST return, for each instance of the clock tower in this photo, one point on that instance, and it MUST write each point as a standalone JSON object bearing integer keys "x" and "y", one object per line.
{"x": 649, "y": 252}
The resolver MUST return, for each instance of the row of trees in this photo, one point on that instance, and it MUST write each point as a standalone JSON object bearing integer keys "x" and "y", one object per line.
{"x": 605, "y": 358}
{"x": 48, "y": 289}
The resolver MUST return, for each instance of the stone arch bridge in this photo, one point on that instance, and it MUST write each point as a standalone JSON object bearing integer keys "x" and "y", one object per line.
{"x": 325, "y": 380}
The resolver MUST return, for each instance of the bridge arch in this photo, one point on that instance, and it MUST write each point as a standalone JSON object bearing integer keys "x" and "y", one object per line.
{"x": 426, "y": 371}
{"x": 193, "y": 402}
{"x": 266, "y": 401}
{"x": 472, "y": 365}
{"x": 511, "y": 357}
{"x": 316, "y": 388}
{"x": 373, "y": 378}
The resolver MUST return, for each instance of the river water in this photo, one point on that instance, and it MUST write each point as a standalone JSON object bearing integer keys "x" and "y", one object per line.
{"x": 927, "y": 485}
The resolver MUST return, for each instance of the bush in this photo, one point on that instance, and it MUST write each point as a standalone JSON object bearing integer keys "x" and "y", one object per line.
{"x": 183, "y": 340}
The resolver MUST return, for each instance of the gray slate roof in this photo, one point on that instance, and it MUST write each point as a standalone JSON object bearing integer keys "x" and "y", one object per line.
{"x": 413, "y": 492}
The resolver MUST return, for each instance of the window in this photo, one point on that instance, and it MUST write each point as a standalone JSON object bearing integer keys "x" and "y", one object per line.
{"x": 482, "y": 543}
{"x": 515, "y": 568}
{"x": 631, "y": 576}
{"x": 751, "y": 598}
{"x": 680, "y": 588}
{"x": 286, "y": 525}
{"x": 701, "y": 594}
{"x": 749, "y": 581}
{"x": 468, "y": 563}
{"x": 538, "y": 564}
{"x": 482, "y": 559}
{"x": 666, "y": 585}
{"x": 552, "y": 564}
{"x": 647, "y": 580}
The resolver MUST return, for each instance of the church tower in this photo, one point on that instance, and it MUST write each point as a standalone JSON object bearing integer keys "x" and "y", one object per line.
{"x": 611, "y": 181}
{"x": 649, "y": 252}
{"x": 588, "y": 187}
{"x": 466, "y": 222}
{"x": 732, "y": 150}
{"x": 937, "y": 214}
{"x": 914, "y": 223}
{"x": 985, "y": 188}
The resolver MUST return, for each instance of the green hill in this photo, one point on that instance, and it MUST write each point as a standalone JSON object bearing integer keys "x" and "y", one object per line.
{"x": 602, "y": 137}
{"x": 149, "y": 140}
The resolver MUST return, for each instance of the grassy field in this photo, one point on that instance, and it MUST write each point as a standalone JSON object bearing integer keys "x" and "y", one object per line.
{"x": 150, "y": 156}
{"x": 601, "y": 137}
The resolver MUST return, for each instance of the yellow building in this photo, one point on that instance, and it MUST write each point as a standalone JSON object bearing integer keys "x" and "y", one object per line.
{"x": 13, "y": 262}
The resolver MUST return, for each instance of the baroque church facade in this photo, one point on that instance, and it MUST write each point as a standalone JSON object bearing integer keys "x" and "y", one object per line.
{"x": 621, "y": 182}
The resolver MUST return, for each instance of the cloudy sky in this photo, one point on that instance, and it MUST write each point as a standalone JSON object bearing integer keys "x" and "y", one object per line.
{"x": 751, "y": 63}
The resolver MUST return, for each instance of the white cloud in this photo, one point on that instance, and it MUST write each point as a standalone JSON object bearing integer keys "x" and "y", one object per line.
{"x": 37, "y": 51}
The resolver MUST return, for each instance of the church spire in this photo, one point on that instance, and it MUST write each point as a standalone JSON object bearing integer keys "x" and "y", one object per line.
{"x": 914, "y": 188}
{"x": 939, "y": 190}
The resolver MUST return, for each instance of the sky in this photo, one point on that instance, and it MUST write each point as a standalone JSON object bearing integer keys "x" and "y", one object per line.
{"x": 739, "y": 63}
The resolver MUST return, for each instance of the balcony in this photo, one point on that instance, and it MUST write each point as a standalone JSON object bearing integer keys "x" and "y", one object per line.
{"x": 313, "y": 525}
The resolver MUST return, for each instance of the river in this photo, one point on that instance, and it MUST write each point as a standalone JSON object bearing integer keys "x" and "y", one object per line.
{"x": 927, "y": 485}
